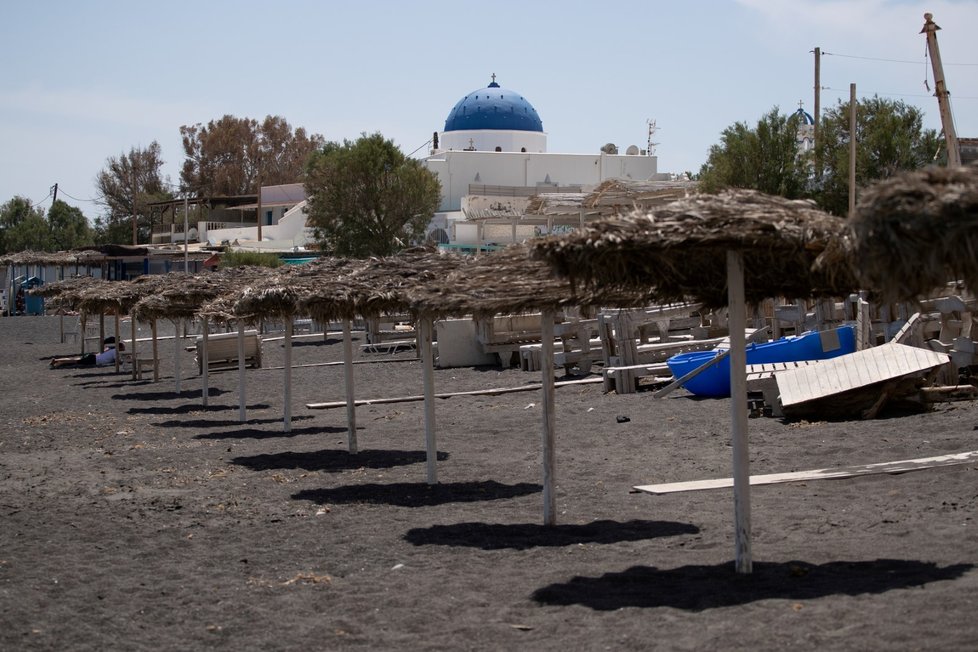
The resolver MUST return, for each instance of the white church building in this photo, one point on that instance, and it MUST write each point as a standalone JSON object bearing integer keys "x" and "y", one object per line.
{"x": 491, "y": 157}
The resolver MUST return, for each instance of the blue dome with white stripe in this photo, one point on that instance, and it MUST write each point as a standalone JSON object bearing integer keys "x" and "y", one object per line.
{"x": 493, "y": 107}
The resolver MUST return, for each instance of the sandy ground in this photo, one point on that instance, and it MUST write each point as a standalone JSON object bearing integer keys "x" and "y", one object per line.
{"x": 133, "y": 518}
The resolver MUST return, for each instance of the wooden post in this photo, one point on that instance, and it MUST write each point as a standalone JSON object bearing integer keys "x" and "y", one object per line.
{"x": 288, "y": 373}
{"x": 132, "y": 335}
{"x": 428, "y": 371}
{"x": 940, "y": 90}
{"x": 738, "y": 411}
{"x": 118, "y": 342}
{"x": 156, "y": 351}
{"x": 547, "y": 400}
{"x": 176, "y": 354}
{"x": 351, "y": 407}
{"x": 101, "y": 331}
{"x": 202, "y": 354}
{"x": 83, "y": 327}
{"x": 852, "y": 149}
{"x": 241, "y": 372}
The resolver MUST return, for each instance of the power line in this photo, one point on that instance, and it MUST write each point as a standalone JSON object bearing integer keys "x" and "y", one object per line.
{"x": 916, "y": 63}
{"x": 885, "y": 94}
{"x": 62, "y": 191}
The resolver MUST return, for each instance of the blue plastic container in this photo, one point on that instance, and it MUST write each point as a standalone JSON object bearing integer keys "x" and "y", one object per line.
{"x": 715, "y": 381}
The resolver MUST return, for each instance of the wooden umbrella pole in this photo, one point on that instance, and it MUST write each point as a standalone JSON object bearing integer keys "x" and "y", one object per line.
{"x": 156, "y": 352}
{"x": 428, "y": 371}
{"x": 132, "y": 336}
{"x": 241, "y": 372}
{"x": 287, "y": 415}
{"x": 202, "y": 357}
{"x": 738, "y": 410}
{"x": 549, "y": 437}
{"x": 118, "y": 342}
{"x": 177, "y": 325}
{"x": 351, "y": 406}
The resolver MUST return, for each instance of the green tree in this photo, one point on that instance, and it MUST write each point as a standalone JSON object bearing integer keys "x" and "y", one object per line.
{"x": 17, "y": 217}
{"x": 764, "y": 158}
{"x": 367, "y": 199}
{"x": 232, "y": 156}
{"x": 69, "y": 227}
{"x": 125, "y": 187}
{"x": 889, "y": 138}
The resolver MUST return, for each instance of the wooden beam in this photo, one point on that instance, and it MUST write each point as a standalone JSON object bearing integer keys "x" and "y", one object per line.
{"x": 478, "y": 392}
{"x": 900, "y": 466}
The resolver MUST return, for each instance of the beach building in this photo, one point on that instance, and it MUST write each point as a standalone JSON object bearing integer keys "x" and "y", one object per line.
{"x": 491, "y": 157}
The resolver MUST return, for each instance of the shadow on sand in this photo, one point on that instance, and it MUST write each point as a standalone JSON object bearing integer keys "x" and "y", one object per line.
{"x": 185, "y": 409}
{"x": 255, "y": 433}
{"x": 419, "y": 494}
{"x": 333, "y": 460}
{"x": 521, "y": 536}
{"x": 697, "y": 588}
{"x": 204, "y": 424}
{"x": 187, "y": 394}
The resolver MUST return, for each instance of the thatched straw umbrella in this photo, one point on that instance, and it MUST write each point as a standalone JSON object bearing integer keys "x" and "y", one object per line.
{"x": 508, "y": 282}
{"x": 277, "y": 295}
{"x": 374, "y": 287}
{"x": 384, "y": 286}
{"x": 753, "y": 244}
{"x": 118, "y": 298}
{"x": 64, "y": 295}
{"x": 219, "y": 306}
{"x": 918, "y": 231}
{"x": 179, "y": 298}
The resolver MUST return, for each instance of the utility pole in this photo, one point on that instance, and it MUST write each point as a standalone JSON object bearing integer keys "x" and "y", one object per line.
{"x": 55, "y": 193}
{"x": 940, "y": 90}
{"x": 259, "y": 212}
{"x": 132, "y": 191}
{"x": 852, "y": 149}
{"x": 818, "y": 111}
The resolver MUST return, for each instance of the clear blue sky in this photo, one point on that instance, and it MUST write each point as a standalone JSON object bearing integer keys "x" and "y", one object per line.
{"x": 83, "y": 81}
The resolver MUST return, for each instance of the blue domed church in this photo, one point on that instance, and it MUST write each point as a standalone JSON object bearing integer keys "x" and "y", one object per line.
{"x": 494, "y": 119}
{"x": 491, "y": 157}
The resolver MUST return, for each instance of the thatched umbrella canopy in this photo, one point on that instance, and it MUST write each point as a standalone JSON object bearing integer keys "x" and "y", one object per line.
{"x": 718, "y": 249}
{"x": 917, "y": 231}
{"x": 512, "y": 281}
{"x": 66, "y": 292}
{"x": 48, "y": 258}
{"x": 382, "y": 286}
{"x": 679, "y": 250}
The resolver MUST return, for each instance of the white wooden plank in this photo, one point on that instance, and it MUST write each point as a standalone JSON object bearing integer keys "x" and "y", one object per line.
{"x": 854, "y": 370}
{"x": 900, "y": 466}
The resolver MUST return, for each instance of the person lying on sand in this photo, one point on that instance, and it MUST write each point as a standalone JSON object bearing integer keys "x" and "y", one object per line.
{"x": 103, "y": 359}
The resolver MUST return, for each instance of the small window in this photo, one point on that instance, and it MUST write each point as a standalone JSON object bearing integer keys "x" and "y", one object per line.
{"x": 498, "y": 148}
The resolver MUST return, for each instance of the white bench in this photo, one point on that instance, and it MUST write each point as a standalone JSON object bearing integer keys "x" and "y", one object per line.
{"x": 222, "y": 351}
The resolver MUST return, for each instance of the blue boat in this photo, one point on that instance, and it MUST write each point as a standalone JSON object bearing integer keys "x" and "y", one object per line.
{"x": 715, "y": 381}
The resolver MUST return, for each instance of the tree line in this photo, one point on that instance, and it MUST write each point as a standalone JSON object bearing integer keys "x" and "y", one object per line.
{"x": 889, "y": 138}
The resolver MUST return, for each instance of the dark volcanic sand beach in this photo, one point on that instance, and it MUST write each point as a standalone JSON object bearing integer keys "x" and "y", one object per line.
{"x": 135, "y": 519}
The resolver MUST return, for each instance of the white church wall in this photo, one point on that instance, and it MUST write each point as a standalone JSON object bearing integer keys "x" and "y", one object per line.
{"x": 487, "y": 140}
{"x": 456, "y": 170}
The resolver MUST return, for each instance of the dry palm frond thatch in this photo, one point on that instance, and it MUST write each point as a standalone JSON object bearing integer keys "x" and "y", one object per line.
{"x": 918, "y": 231}
{"x": 680, "y": 249}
